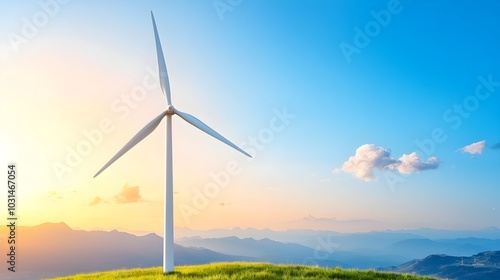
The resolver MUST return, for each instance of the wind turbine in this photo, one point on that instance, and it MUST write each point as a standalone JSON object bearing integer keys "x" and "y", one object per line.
{"x": 168, "y": 238}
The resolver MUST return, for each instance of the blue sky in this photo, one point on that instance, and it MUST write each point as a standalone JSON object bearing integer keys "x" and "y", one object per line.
{"x": 235, "y": 69}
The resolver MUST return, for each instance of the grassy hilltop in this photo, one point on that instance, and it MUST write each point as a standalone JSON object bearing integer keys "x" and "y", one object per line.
{"x": 223, "y": 271}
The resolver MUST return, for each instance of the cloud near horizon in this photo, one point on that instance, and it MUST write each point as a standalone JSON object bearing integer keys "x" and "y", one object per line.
{"x": 369, "y": 158}
{"x": 474, "y": 148}
{"x": 129, "y": 195}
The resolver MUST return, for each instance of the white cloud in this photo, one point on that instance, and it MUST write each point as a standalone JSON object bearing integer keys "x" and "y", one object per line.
{"x": 369, "y": 158}
{"x": 474, "y": 148}
{"x": 412, "y": 162}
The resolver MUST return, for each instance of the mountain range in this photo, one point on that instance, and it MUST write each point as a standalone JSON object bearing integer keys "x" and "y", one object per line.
{"x": 363, "y": 251}
{"x": 56, "y": 250}
{"x": 482, "y": 266}
{"x": 49, "y": 250}
{"x": 266, "y": 250}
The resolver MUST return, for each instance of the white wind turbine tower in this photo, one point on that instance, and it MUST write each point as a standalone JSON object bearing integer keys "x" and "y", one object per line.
{"x": 168, "y": 238}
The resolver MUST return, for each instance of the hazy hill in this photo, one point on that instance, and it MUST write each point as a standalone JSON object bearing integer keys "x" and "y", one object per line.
{"x": 263, "y": 250}
{"x": 307, "y": 237}
{"x": 419, "y": 248}
{"x": 365, "y": 243}
{"x": 325, "y": 254}
{"x": 483, "y": 266}
{"x": 56, "y": 249}
{"x": 491, "y": 244}
{"x": 248, "y": 246}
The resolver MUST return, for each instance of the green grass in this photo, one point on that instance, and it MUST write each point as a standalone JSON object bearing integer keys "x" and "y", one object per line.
{"x": 244, "y": 270}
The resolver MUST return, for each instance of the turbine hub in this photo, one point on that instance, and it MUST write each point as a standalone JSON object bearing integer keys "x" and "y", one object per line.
{"x": 170, "y": 109}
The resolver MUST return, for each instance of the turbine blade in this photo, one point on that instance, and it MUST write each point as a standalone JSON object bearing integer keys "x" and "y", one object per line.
{"x": 205, "y": 128}
{"x": 162, "y": 68}
{"x": 145, "y": 131}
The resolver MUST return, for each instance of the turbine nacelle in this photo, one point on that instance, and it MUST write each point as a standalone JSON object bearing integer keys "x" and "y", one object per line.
{"x": 170, "y": 109}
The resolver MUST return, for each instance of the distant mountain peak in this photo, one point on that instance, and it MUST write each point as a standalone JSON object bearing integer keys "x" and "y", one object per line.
{"x": 53, "y": 226}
